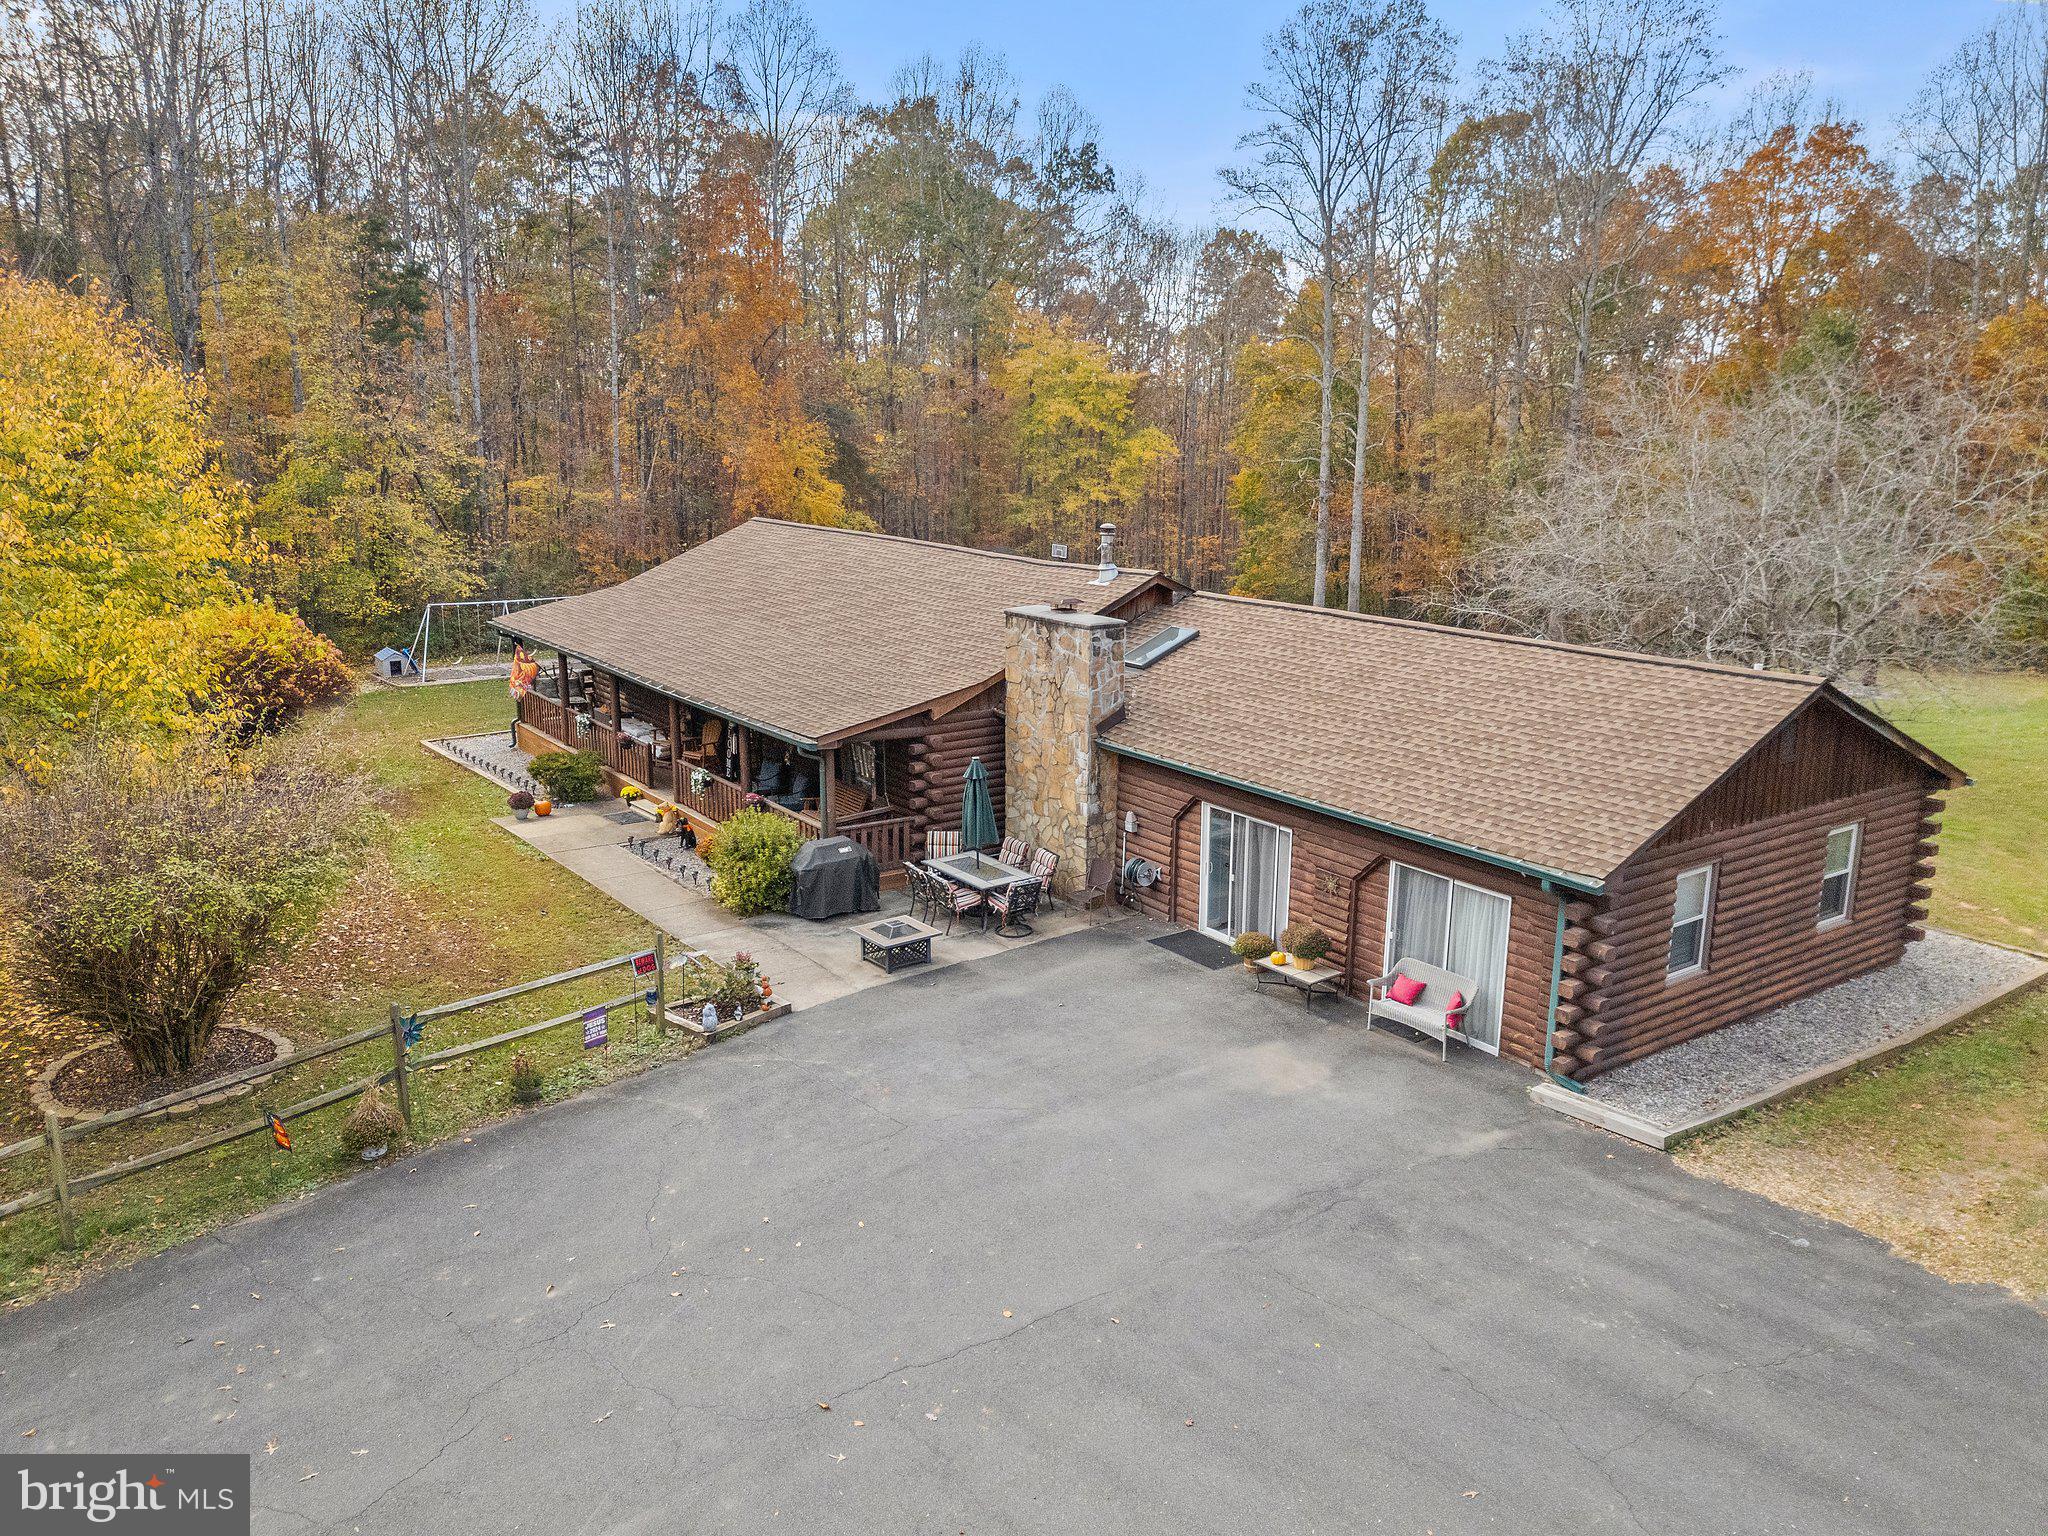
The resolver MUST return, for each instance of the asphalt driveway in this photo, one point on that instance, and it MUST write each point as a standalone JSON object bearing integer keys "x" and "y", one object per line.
{"x": 1084, "y": 1238}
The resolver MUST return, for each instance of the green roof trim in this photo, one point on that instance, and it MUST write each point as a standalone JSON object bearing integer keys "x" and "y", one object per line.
{"x": 1538, "y": 872}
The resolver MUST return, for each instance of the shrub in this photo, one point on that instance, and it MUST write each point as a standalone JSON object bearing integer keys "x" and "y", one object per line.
{"x": 569, "y": 776}
{"x": 733, "y": 988}
{"x": 750, "y": 863}
{"x": 374, "y": 1122}
{"x": 1306, "y": 940}
{"x": 266, "y": 668}
{"x": 524, "y": 1075}
{"x": 145, "y": 891}
{"x": 1252, "y": 946}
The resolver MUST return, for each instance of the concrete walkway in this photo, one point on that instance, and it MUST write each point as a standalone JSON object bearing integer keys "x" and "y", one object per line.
{"x": 1083, "y": 1238}
{"x": 809, "y": 962}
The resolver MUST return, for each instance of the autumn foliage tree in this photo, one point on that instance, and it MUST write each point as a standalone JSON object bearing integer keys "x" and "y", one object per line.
{"x": 119, "y": 532}
{"x": 722, "y": 366}
{"x": 1082, "y": 456}
{"x": 1802, "y": 223}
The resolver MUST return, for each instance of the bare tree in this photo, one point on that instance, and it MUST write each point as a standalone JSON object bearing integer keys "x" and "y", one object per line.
{"x": 1304, "y": 172}
{"x": 789, "y": 92}
{"x": 173, "y": 50}
{"x": 1404, "y": 58}
{"x": 1602, "y": 85}
{"x": 1827, "y": 526}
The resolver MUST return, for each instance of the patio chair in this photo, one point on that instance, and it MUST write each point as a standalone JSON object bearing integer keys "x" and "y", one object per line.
{"x": 1015, "y": 851}
{"x": 1043, "y": 862}
{"x": 1014, "y": 903}
{"x": 957, "y": 899}
{"x": 918, "y": 885}
{"x": 941, "y": 845}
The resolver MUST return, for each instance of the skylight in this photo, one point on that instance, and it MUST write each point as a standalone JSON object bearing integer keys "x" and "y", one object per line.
{"x": 1158, "y": 644}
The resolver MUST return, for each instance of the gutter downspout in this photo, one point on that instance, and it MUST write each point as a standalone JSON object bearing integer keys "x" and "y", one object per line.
{"x": 1556, "y": 979}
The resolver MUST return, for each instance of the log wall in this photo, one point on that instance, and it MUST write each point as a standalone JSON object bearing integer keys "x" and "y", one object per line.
{"x": 1764, "y": 829}
{"x": 934, "y": 764}
{"x": 1326, "y": 887}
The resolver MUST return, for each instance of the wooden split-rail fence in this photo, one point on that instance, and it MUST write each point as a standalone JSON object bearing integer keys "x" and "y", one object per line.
{"x": 56, "y": 1139}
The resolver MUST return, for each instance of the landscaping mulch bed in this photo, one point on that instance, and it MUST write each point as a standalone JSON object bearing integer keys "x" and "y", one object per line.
{"x": 104, "y": 1079}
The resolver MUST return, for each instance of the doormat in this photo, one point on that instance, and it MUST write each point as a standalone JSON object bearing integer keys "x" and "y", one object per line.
{"x": 623, "y": 816}
{"x": 1198, "y": 947}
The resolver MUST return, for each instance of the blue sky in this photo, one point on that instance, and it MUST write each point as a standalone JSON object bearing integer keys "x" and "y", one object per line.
{"x": 1166, "y": 77}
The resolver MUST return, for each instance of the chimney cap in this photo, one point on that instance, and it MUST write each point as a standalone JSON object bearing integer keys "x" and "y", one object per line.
{"x": 1065, "y": 604}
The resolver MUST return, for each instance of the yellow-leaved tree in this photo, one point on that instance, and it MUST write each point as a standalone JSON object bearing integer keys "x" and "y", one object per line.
{"x": 119, "y": 533}
{"x": 1081, "y": 455}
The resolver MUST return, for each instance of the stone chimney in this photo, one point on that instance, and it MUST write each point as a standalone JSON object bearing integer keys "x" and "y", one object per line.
{"x": 1064, "y": 680}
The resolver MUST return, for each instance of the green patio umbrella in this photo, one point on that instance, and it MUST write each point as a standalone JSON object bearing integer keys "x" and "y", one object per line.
{"x": 977, "y": 811}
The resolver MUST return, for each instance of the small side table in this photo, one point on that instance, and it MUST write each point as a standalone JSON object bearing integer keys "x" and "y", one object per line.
{"x": 1322, "y": 981}
{"x": 895, "y": 942}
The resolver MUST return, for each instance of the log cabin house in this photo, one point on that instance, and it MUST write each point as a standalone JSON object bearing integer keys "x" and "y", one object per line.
{"x": 848, "y": 677}
{"x": 1624, "y": 851}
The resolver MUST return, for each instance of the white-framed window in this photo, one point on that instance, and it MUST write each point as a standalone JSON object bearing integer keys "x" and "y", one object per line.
{"x": 1838, "y": 873}
{"x": 1690, "y": 914}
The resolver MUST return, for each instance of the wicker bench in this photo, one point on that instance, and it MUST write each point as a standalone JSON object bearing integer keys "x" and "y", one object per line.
{"x": 1429, "y": 1014}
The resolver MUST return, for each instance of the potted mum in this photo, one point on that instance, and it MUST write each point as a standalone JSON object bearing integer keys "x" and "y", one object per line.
{"x": 1252, "y": 946}
{"x": 1306, "y": 944}
{"x": 521, "y": 803}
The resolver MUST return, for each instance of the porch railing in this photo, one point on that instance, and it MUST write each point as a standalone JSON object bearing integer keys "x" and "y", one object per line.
{"x": 622, "y": 754}
{"x": 891, "y": 837}
{"x": 716, "y": 801}
{"x": 544, "y": 714}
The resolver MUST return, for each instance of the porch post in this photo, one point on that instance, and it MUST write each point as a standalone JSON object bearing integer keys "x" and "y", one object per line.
{"x": 675, "y": 745}
{"x": 827, "y": 771}
{"x": 746, "y": 758}
{"x": 562, "y": 697}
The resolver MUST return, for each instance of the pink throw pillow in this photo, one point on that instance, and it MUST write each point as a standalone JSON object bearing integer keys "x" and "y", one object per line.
{"x": 1454, "y": 1011}
{"x": 1405, "y": 989}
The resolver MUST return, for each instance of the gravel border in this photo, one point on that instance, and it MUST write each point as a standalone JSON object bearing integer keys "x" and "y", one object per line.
{"x": 1941, "y": 974}
{"x": 491, "y": 755}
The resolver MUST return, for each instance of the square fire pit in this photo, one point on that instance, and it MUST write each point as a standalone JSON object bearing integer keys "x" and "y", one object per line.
{"x": 894, "y": 942}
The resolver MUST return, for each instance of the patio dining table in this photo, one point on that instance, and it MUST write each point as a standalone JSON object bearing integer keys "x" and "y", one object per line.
{"x": 982, "y": 872}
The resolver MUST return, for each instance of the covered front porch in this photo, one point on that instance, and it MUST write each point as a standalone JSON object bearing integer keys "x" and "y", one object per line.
{"x": 880, "y": 788}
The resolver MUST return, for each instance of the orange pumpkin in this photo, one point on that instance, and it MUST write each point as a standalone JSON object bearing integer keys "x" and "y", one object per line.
{"x": 542, "y": 807}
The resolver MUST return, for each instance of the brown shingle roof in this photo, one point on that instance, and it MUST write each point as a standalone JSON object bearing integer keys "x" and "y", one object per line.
{"x": 811, "y": 631}
{"x": 1564, "y": 758}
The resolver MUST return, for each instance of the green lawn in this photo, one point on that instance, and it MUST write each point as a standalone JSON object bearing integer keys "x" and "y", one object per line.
{"x": 446, "y": 906}
{"x": 1994, "y": 837}
{"x": 1944, "y": 1152}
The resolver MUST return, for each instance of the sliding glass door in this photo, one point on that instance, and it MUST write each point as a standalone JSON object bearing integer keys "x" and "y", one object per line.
{"x": 1459, "y": 927}
{"x": 1246, "y": 864}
